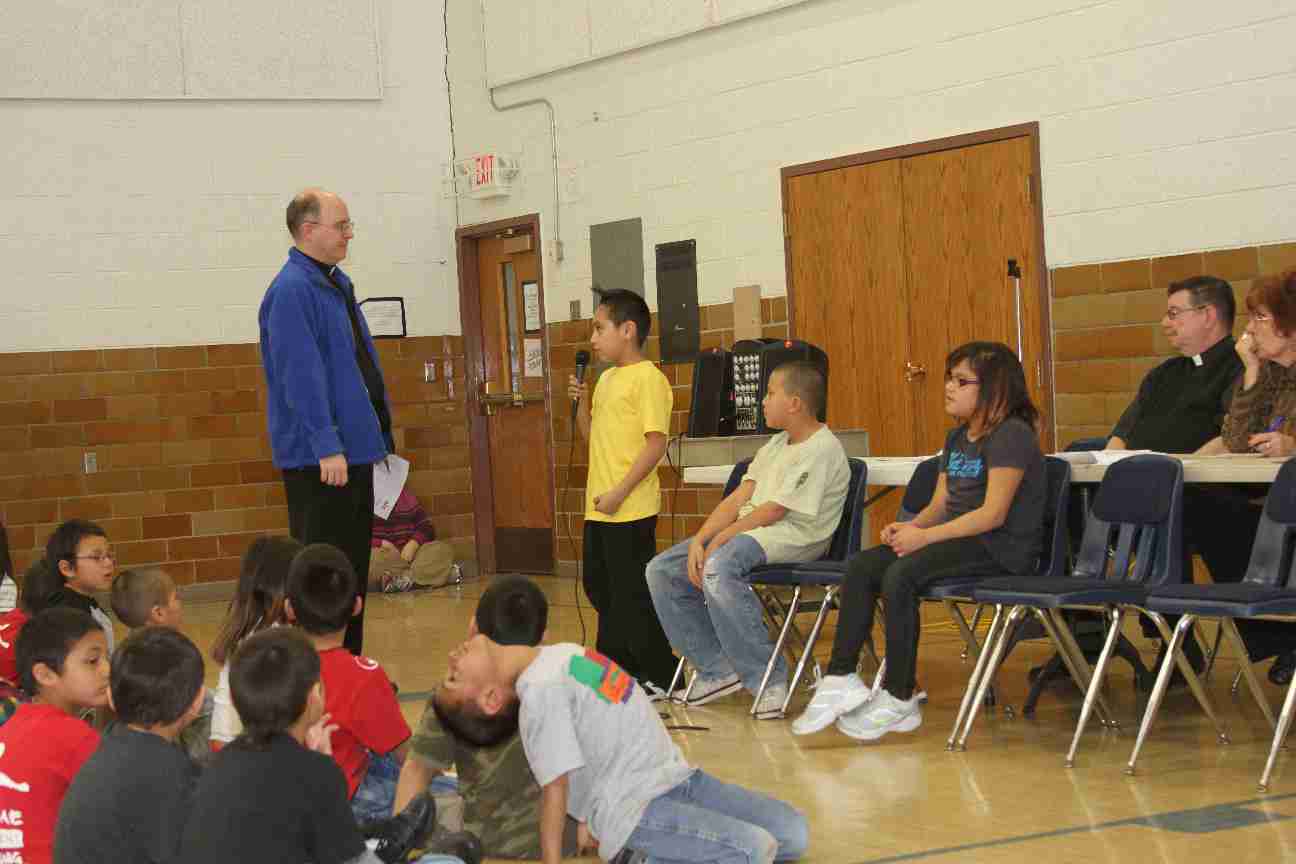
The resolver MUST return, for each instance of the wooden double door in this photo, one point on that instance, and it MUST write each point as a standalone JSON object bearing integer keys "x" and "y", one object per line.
{"x": 895, "y": 261}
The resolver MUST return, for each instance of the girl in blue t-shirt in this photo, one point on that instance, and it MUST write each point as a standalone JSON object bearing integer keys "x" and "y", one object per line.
{"x": 984, "y": 519}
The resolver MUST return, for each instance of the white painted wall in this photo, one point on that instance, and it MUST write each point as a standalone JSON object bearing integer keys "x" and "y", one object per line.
{"x": 1167, "y": 125}
{"x": 161, "y": 222}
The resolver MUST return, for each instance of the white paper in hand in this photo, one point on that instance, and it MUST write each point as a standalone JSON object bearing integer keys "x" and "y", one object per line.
{"x": 389, "y": 479}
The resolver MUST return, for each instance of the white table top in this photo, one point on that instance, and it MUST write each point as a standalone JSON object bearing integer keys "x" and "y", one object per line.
{"x": 896, "y": 470}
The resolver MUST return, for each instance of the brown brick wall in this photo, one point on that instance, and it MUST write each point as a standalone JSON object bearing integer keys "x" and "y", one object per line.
{"x": 1107, "y": 332}
{"x": 185, "y": 479}
{"x": 691, "y": 504}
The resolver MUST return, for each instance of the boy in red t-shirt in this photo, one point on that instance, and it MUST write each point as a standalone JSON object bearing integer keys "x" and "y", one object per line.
{"x": 63, "y": 666}
{"x": 372, "y": 737}
{"x": 11, "y": 623}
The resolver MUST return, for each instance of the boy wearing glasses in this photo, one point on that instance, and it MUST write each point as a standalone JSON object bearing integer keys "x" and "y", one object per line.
{"x": 80, "y": 565}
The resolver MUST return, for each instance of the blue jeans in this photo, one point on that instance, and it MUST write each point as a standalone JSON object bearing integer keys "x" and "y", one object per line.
{"x": 705, "y": 820}
{"x": 376, "y": 794}
{"x": 721, "y": 628}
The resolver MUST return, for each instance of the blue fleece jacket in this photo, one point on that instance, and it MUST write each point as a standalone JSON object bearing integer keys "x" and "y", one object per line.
{"x": 318, "y": 405}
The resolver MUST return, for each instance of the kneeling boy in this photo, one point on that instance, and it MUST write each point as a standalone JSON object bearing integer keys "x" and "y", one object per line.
{"x": 601, "y": 755}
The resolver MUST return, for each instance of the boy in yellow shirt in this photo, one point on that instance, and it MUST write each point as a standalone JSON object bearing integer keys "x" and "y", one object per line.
{"x": 626, "y": 425}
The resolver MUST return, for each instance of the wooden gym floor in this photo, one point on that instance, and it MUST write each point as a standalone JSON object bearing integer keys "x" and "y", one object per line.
{"x": 904, "y": 798}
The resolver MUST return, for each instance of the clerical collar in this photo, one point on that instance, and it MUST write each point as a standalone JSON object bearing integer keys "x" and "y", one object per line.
{"x": 1197, "y": 359}
{"x": 1223, "y": 346}
{"x": 326, "y": 269}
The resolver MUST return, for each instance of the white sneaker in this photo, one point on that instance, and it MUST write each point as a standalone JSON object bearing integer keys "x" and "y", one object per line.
{"x": 707, "y": 690}
{"x": 834, "y": 696}
{"x": 882, "y": 714}
{"x": 770, "y": 705}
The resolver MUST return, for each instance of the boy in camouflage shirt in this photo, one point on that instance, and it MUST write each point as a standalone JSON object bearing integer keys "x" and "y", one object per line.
{"x": 501, "y": 797}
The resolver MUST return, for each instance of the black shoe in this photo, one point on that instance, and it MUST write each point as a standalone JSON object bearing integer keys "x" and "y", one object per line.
{"x": 401, "y": 833}
{"x": 1284, "y": 665}
{"x": 463, "y": 845}
{"x": 628, "y": 856}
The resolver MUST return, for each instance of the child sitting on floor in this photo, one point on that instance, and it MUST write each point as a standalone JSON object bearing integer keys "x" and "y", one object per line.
{"x": 258, "y": 603}
{"x": 406, "y": 552}
{"x": 372, "y": 736}
{"x": 148, "y": 597}
{"x": 63, "y": 668}
{"x": 130, "y": 800}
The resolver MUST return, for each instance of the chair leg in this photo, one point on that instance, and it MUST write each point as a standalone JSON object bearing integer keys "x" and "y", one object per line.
{"x": 1284, "y": 723}
{"x": 809, "y": 648}
{"x": 996, "y": 623}
{"x": 1248, "y": 671}
{"x": 1158, "y": 689}
{"x": 968, "y": 632}
{"x": 1213, "y": 654}
{"x": 1077, "y": 665}
{"x": 1100, "y": 670}
{"x": 675, "y": 679}
{"x": 991, "y": 669}
{"x": 1182, "y": 630}
{"x": 789, "y": 614}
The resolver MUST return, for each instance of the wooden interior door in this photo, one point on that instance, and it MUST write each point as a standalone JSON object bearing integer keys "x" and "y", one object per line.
{"x": 967, "y": 212}
{"x": 511, "y": 394}
{"x": 845, "y": 245}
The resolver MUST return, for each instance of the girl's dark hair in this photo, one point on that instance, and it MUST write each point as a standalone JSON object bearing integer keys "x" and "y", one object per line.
{"x": 42, "y": 587}
{"x": 1002, "y": 393}
{"x": 271, "y": 676}
{"x": 259, "y": 597}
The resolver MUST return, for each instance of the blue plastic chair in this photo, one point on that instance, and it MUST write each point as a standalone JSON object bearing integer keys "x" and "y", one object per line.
{"x": 1138, "y": 512}
{"x": 827, "y": 573}
{"x": 1267, "y": 591}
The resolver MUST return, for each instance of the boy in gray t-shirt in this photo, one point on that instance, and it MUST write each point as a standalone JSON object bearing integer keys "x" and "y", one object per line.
{"x": 601, "y": 755}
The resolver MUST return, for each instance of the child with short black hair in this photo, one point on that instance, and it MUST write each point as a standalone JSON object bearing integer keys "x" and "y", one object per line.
{"x": 602, "y": 756}
{"x": 258, "y": 603}
{"x": 131, "y": 799}
{"x": 275, "y": 793}
{"x": 63, "y": 668}
{"x": 372, "y": 736}
{"x": 626, "y": 423}
{"x": 81, "y": 564}
{"x": 501, "y": 800}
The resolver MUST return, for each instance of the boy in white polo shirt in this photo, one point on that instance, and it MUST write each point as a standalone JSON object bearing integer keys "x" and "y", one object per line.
{"x": 785, "y": 510}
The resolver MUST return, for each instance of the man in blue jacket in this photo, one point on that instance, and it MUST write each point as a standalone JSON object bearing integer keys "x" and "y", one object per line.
{"x": 327, "y": 405}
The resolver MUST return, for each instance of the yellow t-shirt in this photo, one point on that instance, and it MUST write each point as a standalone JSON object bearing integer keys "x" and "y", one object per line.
{"x": 629, "y": 402}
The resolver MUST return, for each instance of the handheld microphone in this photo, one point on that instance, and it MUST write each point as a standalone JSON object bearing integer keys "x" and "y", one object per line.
{"x": 582, "y": 363}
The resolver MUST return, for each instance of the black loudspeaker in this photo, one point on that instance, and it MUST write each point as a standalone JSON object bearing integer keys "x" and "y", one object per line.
{"x": 711, "y": 411}
{"x": 753, "y": 362}
{"x": 678, "y": 319}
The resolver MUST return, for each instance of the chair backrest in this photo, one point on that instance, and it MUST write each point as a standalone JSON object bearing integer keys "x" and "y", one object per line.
{"x": 736, "y": 476}
{"x": 1138, "y": 512}
{"x": 1272, "y": 552}
{"x": 1057, "y": 503}
{"x": 921, "y": 488}
{"x": 846, "y": 539}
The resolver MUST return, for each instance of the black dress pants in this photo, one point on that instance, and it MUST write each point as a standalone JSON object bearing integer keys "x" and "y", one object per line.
{"x": 615, "y": 556}
{"x": 338, "y": 515}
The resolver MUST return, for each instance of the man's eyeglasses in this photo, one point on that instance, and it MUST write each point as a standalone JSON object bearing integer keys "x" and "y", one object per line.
{"x": 1173, "y": 312}
{"x": 346, "y": 226}
{"x": 960, "y": 380}
{"x": 98, "y": 557}
{"x": 1260, "y": 317}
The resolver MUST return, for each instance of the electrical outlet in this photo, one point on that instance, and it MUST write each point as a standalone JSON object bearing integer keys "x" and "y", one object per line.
{"x": 91, "y": 463}
{"x": 429, "y": 372}
{"x": 575, "y": 310}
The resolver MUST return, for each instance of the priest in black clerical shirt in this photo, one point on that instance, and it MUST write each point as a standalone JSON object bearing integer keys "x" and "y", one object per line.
{"x": 1181, "y": 404}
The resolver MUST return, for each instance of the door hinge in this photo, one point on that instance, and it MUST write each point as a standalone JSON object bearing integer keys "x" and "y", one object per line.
{"x": 1030, "y": 188}
{"x": 1039, "y": 373}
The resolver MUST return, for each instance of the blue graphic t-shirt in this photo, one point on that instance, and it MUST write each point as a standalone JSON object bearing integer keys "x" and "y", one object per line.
{"x": 583, "y": 716}
{"x": 1015, "y": 544}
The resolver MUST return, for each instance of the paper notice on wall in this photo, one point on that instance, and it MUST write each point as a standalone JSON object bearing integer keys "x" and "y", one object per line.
{"x": 534, "y": 349}
{"x": 389, "y": 478}
{"x": 531, "y": 305}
